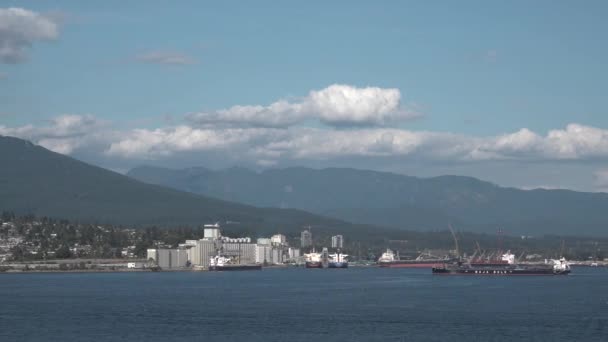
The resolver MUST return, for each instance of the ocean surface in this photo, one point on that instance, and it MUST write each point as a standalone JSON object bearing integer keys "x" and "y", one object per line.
{"x": 356, "y": 304}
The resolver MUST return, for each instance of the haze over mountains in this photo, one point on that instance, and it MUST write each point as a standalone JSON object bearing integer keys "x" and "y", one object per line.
{"x": 34, "y": 180}
{"x": 398, "y": 201}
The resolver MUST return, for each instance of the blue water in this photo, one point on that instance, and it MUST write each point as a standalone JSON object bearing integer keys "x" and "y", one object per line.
{"x": 356, "y": 304}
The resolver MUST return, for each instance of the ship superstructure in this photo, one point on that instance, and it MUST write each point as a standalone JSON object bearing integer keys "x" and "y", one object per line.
{"x": 338, "y": 260}
{"x": 313, "y": 260}
{"x": 424, "y": 260}
{"x": 223, "y": 263}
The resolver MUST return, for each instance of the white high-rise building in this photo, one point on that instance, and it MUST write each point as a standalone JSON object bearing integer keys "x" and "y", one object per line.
{"x": 306, "y": 239}
{"x": 337, "y": 241}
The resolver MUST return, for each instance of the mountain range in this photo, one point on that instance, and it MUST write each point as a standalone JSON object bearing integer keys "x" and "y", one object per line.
{"x": 394, "y": 200}
{"x": 36, "y": 181}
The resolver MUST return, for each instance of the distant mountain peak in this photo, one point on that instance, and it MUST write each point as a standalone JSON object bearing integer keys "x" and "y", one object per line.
{"x": 376, "y": 197}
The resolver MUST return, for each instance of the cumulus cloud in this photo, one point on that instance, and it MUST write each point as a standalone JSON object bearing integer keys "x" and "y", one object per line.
{"x": 268, "y": 146}
{"x": 345, "y": 105}
{"x": 301, "y": 143}
{"x": 577, "y": 141}
{"x": 165, "y": 57}
{"x": 574, "y": 142}
{"x": 336, "y": 105}
{"x": 152, "y": 144}
{"x": 63, "y": 134}
{"x": 20, "y": 29}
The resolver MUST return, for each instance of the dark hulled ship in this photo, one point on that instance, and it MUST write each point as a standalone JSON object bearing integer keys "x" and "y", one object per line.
{"x": 510, "y": 268}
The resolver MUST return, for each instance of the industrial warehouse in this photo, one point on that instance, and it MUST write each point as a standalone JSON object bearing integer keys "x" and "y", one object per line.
{"x": 199, "y": 254}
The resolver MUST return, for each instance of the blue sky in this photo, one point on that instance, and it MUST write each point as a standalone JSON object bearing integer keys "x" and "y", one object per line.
{"x": 477, "y": 69}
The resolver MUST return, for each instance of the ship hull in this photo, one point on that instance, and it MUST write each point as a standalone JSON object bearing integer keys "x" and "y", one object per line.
{"x": 415, "y": 263}
{"x": 337, "y": 265}
{"x": 236, "y": 268}
{"x": 503, "y": 271}
{"x": 312, "y": 264}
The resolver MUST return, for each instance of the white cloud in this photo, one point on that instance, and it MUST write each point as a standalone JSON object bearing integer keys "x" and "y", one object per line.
{"x": 277, "y": 114}
{"x": 165, "y": 57}
{"x": 336, "y": 105}
{"x": 346, "y": 105}
{"x": 577, "y": 141}
{"x": 153, "y": 144}
{"x": 514, "y": 145}
{"x": 541, "y": 187}
{"x": 64, "y": 134}
{"x": 20, "y": 29}
{"x": 301, "y": 143}
{"x": 269, "y": 146}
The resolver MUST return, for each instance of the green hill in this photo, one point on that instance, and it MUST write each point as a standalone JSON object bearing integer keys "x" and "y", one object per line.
{"x": 34, "y": 180}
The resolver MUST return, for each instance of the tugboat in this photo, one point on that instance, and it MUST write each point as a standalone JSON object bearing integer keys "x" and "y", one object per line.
{"x": 510, "y": 268}
{"x": 337, "y": 260}
{"x": 221, "y": 263}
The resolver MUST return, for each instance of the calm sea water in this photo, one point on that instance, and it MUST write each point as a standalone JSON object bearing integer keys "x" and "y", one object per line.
{"x": 356, "y": 304}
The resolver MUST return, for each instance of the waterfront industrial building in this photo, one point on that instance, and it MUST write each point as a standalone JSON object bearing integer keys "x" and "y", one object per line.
{"x": 169, "y": 258}
{"x": 198, "y": 253}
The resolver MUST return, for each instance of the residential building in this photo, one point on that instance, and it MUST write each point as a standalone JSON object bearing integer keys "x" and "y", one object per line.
{"x": 306, "y": 238}
{"x": 337, "y": 241}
